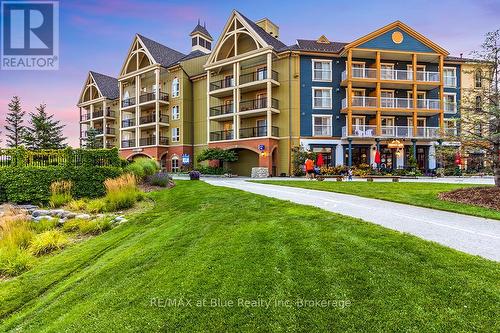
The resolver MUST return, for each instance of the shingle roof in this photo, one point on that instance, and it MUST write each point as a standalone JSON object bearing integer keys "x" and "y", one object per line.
{"x": 201, "y": 29}
{"x": 273, "y": 41}
{"x": 193, "y": 54}
{"x": 108, "y": 86}
{"x": 313, "y": 45}
{"x": 162, "y": 54}
{"x": 460, "y": 59}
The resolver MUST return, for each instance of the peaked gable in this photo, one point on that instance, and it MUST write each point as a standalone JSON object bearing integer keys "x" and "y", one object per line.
{"x": 106, "y": 85}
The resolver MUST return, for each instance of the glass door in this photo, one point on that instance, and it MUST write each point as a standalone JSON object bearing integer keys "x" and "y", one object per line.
{"x": 387, "y": 98}
{"x": 261, "y": 127}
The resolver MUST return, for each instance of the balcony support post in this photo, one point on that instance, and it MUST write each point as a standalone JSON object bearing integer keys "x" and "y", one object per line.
{"x": 414, "y": 67}
{"x": 208, "y": 106}
{"x": 120, "y": 86}
{"x": 378, "y": 130}
{"x": 236, "y": 102}
{"x": 269, "y": 96}
{"x": 92, "y": 115}
{"x": 137, "y": 110}
{"x": 377, "y": 63}
{"x": 441, "y": 92}
{"x": 104, "y": 123}
{"x": 349, "y": 110}
{"x": 414, "y": 142}
{"x": 349, "y": 153}
{"x": 80, "y": 128}
{"x": 349, "y": 65}
{"x": 157, "y": 106}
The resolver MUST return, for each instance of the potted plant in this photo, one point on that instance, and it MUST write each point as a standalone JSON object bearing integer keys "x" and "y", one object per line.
{"x": 194, "y": 175}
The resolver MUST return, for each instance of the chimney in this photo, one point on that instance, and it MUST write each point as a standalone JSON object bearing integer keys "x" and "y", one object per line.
{"x": 269, "y": 27}
{"x": 461, "y": 55}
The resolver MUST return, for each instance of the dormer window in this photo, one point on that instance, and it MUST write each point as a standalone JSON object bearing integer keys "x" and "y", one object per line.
{"x": 201, "y": 39}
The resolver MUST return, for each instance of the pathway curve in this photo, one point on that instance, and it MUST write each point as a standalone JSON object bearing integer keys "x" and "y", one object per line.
{"x": 473, "y": 235}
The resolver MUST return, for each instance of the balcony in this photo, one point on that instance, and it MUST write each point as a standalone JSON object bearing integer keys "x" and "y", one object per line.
{"x": 222, "y": 135}
{"x": 110, "y": 131}
{"x": 255, "y": 132}
{"x": 100, "y": 113}
{"x": 426, "y": 76}
{"x": 404, "y": 132}
{"x": 85, "y": 117}
{"x": 259, "y": 75}
{"x": 450, "y": 107}
{"x": 393, "y": 75}
{"x": 128, "y": 123}
{"x": 222, "y": 84}
{"x": 450, "y": 81}
{"x": 393, "y": 103}
{"x": 128, "y": 102}
{"x": 163, "y": 141}
{"x": 151, "y": 96}
{"x": 222, "y": 110}
{"x": 428, "y": 104}
{"x": 149, "y": 119}
{"x": 396, "y": 75}
{"x": 149, "y": 141}
{"x": 256, "y": 104}
{"x": 128, "y": 143}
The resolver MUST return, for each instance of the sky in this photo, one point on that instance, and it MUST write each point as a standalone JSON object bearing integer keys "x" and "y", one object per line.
{"x": 96, "y": 35}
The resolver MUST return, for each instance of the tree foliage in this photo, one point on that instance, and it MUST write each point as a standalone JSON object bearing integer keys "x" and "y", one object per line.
{"x": 91, "y": 142}
{"x": 44, "y": 132}
{"x": 14, "y": 123}
{"x": 480, "y": 109}
{"x": 218, "y": 154}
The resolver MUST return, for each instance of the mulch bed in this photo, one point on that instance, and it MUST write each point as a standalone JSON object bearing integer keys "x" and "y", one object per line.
{"x": 488, "y": 197}
{"x": 150, "y": 188}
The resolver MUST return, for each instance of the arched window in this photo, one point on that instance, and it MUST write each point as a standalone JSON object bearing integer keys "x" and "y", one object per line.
{"x": 478, "y": 103}
{"x": 175, "y": 87}
{"x": 478, "y": 78}
{"x": 175, "y": 164}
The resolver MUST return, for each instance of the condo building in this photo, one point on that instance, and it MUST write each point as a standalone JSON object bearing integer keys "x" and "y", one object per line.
{"x": 393, "y": 91}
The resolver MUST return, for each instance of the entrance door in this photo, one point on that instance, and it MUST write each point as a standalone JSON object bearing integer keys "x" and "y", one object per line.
{"x": 387, "y": 71}
{"x": 261, "y": 127}
{"x": 261, "y": 101}
{"x": 422, "y": 158}
{"x": 388, "y": 126}
{"x": 358, "y": 126}
{"x": 420, "y": 98}
{"x": 228, "y": 131}
{"x": 387, "y": 98}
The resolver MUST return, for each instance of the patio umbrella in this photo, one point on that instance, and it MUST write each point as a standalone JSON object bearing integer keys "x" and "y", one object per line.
{"x": 319, "y": 161}
{"x": 458, "y": 159}
{"x": 377, "y": 157}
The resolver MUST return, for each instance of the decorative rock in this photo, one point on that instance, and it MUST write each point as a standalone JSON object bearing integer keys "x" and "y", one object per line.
{"x": 70, "y": 215}
{"x": 58, "y": 212}
{"x": 83, "y": 216}
{"x": 119, "y": 219}
{"x": 62, "y": 220}
{"x": 260, "y": 172}
{"x": 43, "y": 217}
{"x": 40, "y": 212}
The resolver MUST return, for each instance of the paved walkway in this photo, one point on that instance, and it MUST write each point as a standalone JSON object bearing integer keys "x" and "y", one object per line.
{"x": 474, "y": 235}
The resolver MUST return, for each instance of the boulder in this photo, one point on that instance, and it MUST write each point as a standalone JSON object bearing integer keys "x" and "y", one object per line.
{"x": 83, "y": 216}
{"x": 43, "y": 217}
{"x": 40, "y": 212}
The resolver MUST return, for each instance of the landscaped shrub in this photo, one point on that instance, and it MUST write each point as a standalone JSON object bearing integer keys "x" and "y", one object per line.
{"x": 121, "y": 193}
{"x": 43, "y": 225}
{"x": 48, "y": 242}
{"x": 143, "y": 167}
{"x": 88, "y": 227}
{"x": 194, "y": 175}
{"x": 77, "y": 205}
{"x": 14, "y": 261}
{"x": 60, "y": 193}
{"x": 208, "y": 170}
{"x": 32, "y": 184}
{"x": 159, "y": 179}
{"x": 15, "y": 232}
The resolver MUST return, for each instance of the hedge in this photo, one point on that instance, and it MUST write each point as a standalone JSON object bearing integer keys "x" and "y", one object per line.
{"x": 32, "y": 184}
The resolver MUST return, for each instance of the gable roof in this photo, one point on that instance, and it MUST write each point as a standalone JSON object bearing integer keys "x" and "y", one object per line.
{"x": 201, "y": 29}
{"x": 405, "y": 28}
{"x": 162, "y": 54}
{"x": 107, "y": 85}
{"x": 193, "y": 54}
{"x": 274, "y": 42}
{"x": 315, "y": 46}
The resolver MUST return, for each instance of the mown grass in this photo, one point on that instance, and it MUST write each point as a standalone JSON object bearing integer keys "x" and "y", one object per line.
{"x": 417, "y": 194}
{"x": 203, "y": 242}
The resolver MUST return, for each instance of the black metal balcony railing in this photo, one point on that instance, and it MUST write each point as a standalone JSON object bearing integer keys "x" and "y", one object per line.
{"x": 149, "y": 141}
{"x": 221, "y": 84}
{"x": 221, "y": 109}
{"x": 128, "y": 102}
{"x": 163, "y": 141}
{"x": 259, "y": 103}
{"x": 164, "y": 118}
{"x": 152, "y": 118}
{"x": 110, "y": 113}
{"x": 128, "y": 122}
{"x": 110, "y": 130}
{"x": 151, "y": 96}
{"x": 258, "y": 76}
{"x": 222, "y": 135}
{"x": 255, "y": 132}
{"x": 85, "y": 116}
{"x": 128, "y": 143}
{"x": 97, "y": 114}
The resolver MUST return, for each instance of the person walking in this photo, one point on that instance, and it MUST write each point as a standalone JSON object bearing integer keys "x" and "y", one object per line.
{"x": 309, "y": 164}
{"x": 349, "y": 174}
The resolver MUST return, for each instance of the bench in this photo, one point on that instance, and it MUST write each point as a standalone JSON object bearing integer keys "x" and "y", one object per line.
{"x": 323, "y": 177}
{"x": 395, "y": 179}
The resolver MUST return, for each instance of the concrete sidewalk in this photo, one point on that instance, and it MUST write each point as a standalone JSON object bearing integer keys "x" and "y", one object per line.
{"x": 473, "y": 235}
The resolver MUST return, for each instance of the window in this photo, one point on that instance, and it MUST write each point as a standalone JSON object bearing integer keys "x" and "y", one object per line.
{"x": 450, "y": 126}
{"x": 322, "y": 125}
{"x": 175, "y": 113}
{"x": 208, "y": 45}
{"x": 175, "y": 87}
{"x": 450, "y": 103}
{"x": 387, "y": 72}
{"x": 478, "y": 129}
{"x": 322, "y": 70}
{"x": 322, "y": 98}
{"x": 478, "y": 78}
{"x": 175, "y": 164}
{"x": 175, "y": 134}
{"x": 478, "y": 103}
{"x": 194, "y": 41}
{"x": 450, "y": 76}
{"x": 261, "y": 73}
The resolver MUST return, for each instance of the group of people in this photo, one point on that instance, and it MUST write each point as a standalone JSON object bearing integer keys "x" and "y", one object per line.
{"x": 312, "y": 170}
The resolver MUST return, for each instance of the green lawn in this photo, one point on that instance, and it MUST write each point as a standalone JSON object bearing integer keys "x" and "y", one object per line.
{"x": 203, "y": 242}
{"x": 418, "y": 194}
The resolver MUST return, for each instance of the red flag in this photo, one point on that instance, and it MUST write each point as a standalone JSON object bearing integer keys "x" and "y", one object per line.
{"x": 377, "y": 157}
{"x": 319, "y": 161}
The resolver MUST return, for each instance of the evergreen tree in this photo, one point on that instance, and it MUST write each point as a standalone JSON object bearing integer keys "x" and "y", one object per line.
{"x": 91, "y": 141}
{"x": 14, "y": 123}
{"x": 44, "y": 132}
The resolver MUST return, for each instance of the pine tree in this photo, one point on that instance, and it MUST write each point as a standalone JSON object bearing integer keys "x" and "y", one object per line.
{"x": 44, "y": 132}
{"x": 14, "y": 123}
{"x": 91, "y": 141}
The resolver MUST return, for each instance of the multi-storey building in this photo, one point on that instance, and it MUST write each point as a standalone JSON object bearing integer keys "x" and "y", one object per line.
{"x": 392, "y": 91}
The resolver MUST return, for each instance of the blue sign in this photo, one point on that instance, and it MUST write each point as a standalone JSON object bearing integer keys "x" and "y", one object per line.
{"x": 262, "y": 147}
{"x": 185, "y": 159}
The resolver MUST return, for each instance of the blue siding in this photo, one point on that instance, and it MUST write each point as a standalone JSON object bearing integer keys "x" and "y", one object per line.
{"x": 385, "y": 42}
{"x": 338, "y": 93}
{"x": 456, "y": 91}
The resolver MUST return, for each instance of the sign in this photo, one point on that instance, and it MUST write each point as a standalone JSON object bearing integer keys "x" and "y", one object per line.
{"x": 185, "y": 159}
{"x": 262, "y": 147}
{"x": 137, "y": 150}
{"x": 395, "y": 144}
{"x": 30, "y": 35}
